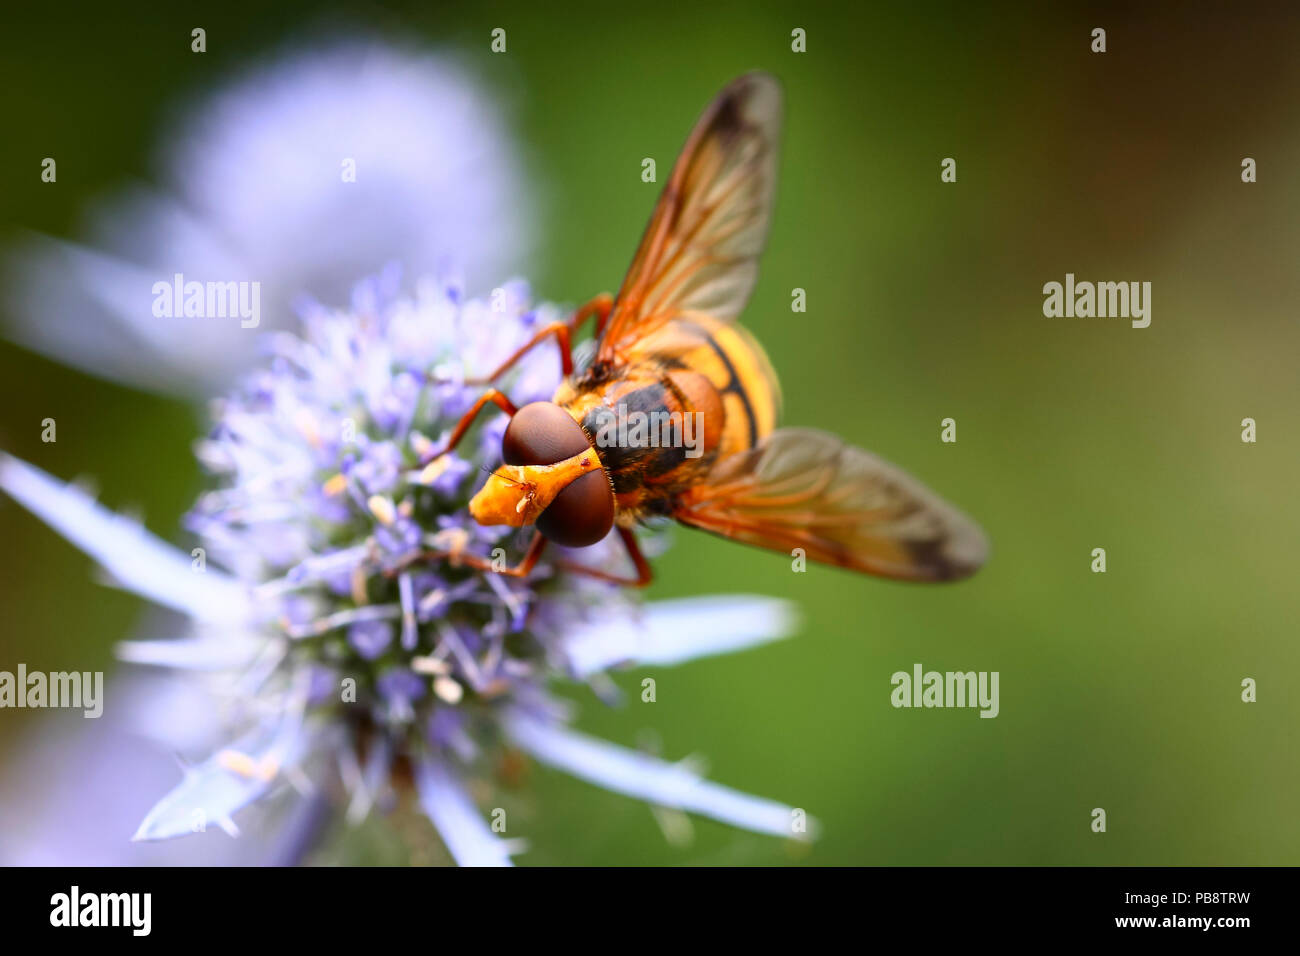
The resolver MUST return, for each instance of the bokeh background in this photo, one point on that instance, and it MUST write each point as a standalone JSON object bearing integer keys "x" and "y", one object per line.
{"x": 1119, "y": 690}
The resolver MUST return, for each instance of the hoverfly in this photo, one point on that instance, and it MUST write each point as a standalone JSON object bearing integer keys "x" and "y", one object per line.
{"x": 668, "y": 343}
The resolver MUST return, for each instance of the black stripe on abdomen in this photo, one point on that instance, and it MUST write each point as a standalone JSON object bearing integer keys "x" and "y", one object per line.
{"x": 734, "y": 387}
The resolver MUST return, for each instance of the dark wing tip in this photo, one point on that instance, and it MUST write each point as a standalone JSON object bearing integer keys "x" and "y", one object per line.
{"x": 751, "y": 102}
{"x": 953, "y": 556}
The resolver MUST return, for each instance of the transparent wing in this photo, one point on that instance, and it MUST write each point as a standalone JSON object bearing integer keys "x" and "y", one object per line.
{"x": 844, "y": 506}
{"x": 699, "y": 254}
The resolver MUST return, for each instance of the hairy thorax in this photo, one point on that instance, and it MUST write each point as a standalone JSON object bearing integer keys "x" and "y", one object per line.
{"x": 657, "y": 430}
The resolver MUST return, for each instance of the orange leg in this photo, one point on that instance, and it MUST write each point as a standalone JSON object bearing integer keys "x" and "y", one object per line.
{"x": 520, "y": 570}
{"x": 491, "y": 395}
{"x": 563, "y": 333}
{"x": 459, "y": 558}
{"x": 600, "y": 307}
{"x": 644, "y": 575}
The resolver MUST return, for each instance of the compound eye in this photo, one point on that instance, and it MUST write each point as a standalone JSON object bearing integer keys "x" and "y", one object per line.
{"x": 543, "y": 433}
{"x": 581, "y": 514}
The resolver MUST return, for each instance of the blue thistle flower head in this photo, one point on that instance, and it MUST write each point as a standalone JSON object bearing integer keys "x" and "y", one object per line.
{"x": 332, "y": 507}
{"x": 332, "y": 636}
{"x": 332, "y": 612}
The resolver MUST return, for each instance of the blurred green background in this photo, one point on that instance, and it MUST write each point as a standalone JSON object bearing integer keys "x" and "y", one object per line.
{"x": 1119, "y": 690}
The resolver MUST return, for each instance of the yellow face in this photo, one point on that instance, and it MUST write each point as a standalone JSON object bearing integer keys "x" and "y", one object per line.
{"x": 516, "y": 494}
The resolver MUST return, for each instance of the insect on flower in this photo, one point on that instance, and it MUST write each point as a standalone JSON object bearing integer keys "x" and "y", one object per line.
{"x": 668, "y": 348}
{"x": 324, "y": 648}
